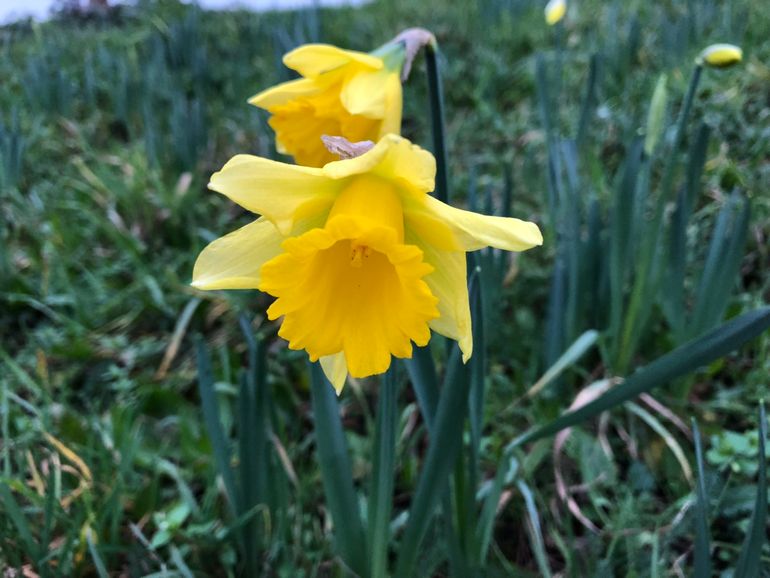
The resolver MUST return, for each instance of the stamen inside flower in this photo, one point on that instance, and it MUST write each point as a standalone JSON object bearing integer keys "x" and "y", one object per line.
{"x": 358, "y": 253}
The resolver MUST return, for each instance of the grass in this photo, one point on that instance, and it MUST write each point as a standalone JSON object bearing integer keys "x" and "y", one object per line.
{"x": 108, "y": 132}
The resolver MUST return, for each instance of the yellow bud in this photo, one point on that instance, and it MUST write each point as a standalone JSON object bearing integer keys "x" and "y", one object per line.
{"x": 720, "y": 55}
{"x": 554, "y": 11}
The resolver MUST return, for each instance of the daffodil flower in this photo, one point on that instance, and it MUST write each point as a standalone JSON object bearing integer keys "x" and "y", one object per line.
{"x": 361, "y": 259}
{"x": 351, "y": 94}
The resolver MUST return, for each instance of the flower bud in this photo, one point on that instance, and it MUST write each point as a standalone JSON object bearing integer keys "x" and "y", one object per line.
{"x": 554, "y": 11}
{"x": 720, "y": 55}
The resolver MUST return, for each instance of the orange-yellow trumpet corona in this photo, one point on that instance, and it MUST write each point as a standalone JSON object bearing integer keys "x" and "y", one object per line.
{"x": 342, "y": 92}
{"x": 361, "y": 259}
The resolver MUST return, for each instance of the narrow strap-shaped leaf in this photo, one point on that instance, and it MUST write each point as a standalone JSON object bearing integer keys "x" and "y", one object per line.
{"x": 477, "y": 365}
{"x": 13, "y": 511}
{"x": 538, "y": 547}
{"x": 486, "y": 523}
{"x": 252, "y": 443}
{"x": 336, "y": 473}
{"x": 383, "y": 472}
{"x": 702, "y": 540}
{"x": 422, "y": 375}
{"x": 446, "y": 440}
{"x": 749, "y": 560}
{"x": 568, "y": 358}
{"x": 587, "y": 107}
{"x": 210, "y": 408}
{"x": 178, "y": 559}
{"x": 99, "y": 566}
{"x": 722, "y": 264}
{"x": 681, "y": 361}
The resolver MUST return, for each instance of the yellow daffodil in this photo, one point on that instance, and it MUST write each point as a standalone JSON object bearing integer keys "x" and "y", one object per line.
{"x": 720, "y": 55}
{"x": 342, "y": 92}
{"x": 362, "y": 260}
{"x": 555, "y": 11}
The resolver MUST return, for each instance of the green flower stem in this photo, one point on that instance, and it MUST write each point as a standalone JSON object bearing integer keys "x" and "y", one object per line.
{"x": 684, "y": 115}
{"x": 437, "y": 122}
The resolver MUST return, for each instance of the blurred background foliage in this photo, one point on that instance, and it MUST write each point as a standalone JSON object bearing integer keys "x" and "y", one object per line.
{"x": 109, "y": 129}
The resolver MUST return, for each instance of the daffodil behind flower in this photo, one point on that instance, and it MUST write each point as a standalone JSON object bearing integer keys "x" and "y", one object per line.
{"x": 555, "y": 11}
{"x": 720, "y": 55}
{"x": 362, "y": 260}
{"x": 342, "y": 92}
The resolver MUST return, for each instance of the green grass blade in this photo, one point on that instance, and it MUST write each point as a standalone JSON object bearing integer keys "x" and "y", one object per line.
{"x": 589, "y": 100}
{"x": 543, "y": 95}
{"x": 575, "y": 351}
{"x": 722, "y": 264}
{"x": 507, "y": 468}
{"x": 181, "y": 565}
{"x": 702, "y": 539}
{"x": 554, "y": 325}
{"x": 99, "y": 566}
{"x": 210, "y": 408}
{"x": 253, "y": 443}
{"x": 681, "y": 361}
{"x": 536, "y": 533}
{"x": 383, "y": 472}
{"x": 336, "y": 473}
{"x": 749, "y": 561}
{"x": 16, "y": 516}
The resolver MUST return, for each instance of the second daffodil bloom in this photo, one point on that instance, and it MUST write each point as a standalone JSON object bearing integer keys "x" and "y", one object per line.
{"x": 346, "y": 93}
{"x": 362, "y": 260}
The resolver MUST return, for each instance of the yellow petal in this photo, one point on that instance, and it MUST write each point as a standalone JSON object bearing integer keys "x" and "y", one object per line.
{"x": 470, "y": 231}
{"x": 282, "y": 93}
{"x": 393, "y": 158}
{"x": 283, "y": 193}
{"x": 391, "y": 122}
{"x": 234, "y": 261}
{"x": 298, "y": 128}
{"x": 366, "y": 93}
{"x": 353, "y": 288}
{"x": 336, "y": 370}
{"x": 312, "y": 60}
{"x": 448, "y": 282}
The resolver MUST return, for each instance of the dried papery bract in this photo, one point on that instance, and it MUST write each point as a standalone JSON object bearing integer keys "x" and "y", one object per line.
{"x": 345, "y": 149}
{"x": 413, "y": 40}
